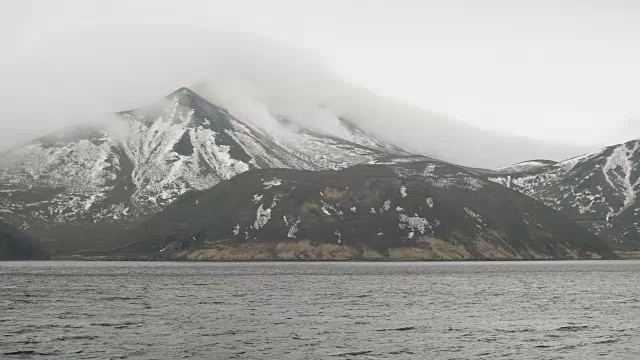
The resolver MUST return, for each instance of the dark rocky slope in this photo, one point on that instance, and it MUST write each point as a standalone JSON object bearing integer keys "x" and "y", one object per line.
{"x": 414, "y": 211}
{"x": 15, "y": 245}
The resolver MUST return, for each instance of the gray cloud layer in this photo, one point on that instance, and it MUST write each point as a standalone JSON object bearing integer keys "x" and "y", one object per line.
{"x": 78, "y": 76}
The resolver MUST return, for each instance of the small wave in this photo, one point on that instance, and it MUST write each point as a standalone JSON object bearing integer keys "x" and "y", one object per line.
{"x": 76, "y": 337}
{"x": 629, "y": 301}
{"x": 573, "y": 328}
{"x": 516, "y": 331}
{"x": 26, "y": 352}
{"x": 118, "y": 325}
{"x": 401, "y": 352}
{"x": 230, "y": 332}
{"x": 353, "y": 353}
{"x": 406, "y": 328}
{"x": 118, "y": 298}
{"x": 211, "y": 302}
{"x": 608, "y": 341}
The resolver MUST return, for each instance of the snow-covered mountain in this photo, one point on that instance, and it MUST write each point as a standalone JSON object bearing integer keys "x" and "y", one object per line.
{"x": 79, "y": 183}
{"x": 524, "y": 166}
{"x": 599, "y": 190}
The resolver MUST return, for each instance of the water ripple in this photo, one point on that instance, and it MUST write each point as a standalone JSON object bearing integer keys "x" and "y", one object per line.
{"x": 128, "y": 310}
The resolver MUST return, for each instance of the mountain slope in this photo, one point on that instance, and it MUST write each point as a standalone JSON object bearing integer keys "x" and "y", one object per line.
{"x": 410, "y": 211}
{"x": 15, "y": 245}
{"x": 599, "y": 190}
{"x": 530, "y": 165}
{"x": 78, "y": 188}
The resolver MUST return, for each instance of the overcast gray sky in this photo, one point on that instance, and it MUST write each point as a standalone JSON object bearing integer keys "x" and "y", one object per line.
{"x": 562, "y": 71}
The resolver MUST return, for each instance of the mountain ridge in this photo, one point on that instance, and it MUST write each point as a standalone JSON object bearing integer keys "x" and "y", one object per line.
{"x": 427, "y": 210}
{"x": 600, "y": 190}
{"x": 83, "y": 189}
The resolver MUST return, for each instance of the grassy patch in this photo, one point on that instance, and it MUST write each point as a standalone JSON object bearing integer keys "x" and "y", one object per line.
{"x": 629, "y": 255}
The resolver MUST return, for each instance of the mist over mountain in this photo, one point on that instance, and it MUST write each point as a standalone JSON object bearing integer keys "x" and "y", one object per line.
{"x": 99, "y": 179}
{"x": 260, "y": 81}
{"x": 362, "y": 179}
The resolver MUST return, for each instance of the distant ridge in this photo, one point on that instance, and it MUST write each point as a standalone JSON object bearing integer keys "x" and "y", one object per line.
{"x": 600, "y": 190}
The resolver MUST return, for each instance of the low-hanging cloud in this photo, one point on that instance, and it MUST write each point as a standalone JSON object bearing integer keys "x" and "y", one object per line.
{"x": 82, "y": 74}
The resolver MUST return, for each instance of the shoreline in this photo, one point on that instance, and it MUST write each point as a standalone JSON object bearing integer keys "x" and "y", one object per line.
{"x": 133, "y": 259}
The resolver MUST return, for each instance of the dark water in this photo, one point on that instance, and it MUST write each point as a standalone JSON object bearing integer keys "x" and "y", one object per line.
{"x": 103, "y": 310}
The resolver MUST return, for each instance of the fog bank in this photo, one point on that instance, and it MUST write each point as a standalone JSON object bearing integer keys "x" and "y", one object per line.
{"x": 77, "y": 76}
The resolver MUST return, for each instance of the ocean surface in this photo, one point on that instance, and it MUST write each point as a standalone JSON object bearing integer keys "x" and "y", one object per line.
{"x": 458, "y": 310}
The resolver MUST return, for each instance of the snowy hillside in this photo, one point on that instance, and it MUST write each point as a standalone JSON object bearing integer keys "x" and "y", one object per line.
{"x": 425, "y": 210}
{"x": 144, "y": 159}
{"x": 599, "y": 190}
{"x": 524, "y": 166}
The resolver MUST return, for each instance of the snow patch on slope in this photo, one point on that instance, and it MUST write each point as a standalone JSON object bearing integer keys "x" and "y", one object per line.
{"x": 524, "y": 166}
{"x": 617, "y": 171}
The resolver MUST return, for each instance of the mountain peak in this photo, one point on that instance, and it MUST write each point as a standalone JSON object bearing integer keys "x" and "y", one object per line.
{"x": 186, "y": 96}
{"x": 190, "y": 99}
{"x": 183, "y": 91}
{"x": 183, "y": 96}
{"x": 151, "y": 157}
